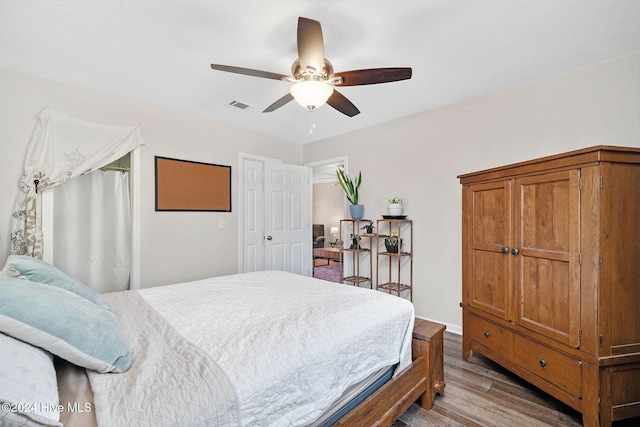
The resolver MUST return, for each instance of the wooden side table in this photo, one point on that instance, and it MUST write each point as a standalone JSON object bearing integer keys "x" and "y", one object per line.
{"x": 428, "y": 343}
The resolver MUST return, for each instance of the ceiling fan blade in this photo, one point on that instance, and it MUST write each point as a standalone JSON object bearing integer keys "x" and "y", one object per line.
{"x": 372, "y": 76}
{"x": 249, "y": 72}
{"x": 310, "y": 44}
{"x": 342, "y": 104}
{"x": 279, "y": 103}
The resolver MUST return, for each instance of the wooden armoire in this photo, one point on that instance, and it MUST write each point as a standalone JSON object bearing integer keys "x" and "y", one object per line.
{"x": 551, "y": 276}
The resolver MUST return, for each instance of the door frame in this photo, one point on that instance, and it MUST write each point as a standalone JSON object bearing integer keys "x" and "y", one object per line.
{"x": 315, "y": 166}
{"x": 327, "y": 162}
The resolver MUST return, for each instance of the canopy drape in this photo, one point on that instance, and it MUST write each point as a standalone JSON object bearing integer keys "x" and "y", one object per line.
{"x": 61, "y": 147}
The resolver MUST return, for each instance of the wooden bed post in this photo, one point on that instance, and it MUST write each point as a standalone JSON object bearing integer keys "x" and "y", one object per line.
{"x": 428, "y": 344}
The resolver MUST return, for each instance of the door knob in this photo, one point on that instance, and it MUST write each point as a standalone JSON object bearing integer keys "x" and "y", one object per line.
{"x": 514, "y": 251}
{"x": 269, "y": 237}
{"x": 505, "y": 250}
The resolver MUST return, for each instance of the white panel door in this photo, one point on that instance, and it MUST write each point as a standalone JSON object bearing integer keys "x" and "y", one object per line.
{"x": 287, "y": 218}
{"x": 253, "y": 217}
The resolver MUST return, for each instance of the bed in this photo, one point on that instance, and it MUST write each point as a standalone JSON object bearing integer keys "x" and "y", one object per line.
{"x": 255, "y": 349}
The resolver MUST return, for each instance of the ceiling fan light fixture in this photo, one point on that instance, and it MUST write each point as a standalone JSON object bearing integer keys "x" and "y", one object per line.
{"x": 311, "y": 94}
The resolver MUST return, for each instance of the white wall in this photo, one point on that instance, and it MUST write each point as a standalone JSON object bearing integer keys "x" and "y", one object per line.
{"x": 419, "y": 157}
{"x": 175, "y": 246}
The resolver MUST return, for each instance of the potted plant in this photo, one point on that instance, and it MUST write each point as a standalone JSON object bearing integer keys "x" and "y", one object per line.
{"x": 351, "y": 191}
{"x": 395, "y": 205}
{"x": 393, "y": 243}
{"x": 368, "y": 228}
{"x": 354, "y": 241}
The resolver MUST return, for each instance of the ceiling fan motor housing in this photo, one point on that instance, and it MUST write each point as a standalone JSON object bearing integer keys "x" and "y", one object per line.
{"x": 310, "y": 73}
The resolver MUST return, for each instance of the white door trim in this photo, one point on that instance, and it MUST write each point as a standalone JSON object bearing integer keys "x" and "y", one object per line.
{"x": 326, "y": 162}
{"x": 135, "y": 175}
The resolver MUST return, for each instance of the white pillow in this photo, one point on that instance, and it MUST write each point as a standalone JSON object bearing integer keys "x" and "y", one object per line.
{"x": 28, "y": 385}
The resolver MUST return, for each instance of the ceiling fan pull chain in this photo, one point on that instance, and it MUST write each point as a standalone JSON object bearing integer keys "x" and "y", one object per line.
{"x": 312, "y": 126}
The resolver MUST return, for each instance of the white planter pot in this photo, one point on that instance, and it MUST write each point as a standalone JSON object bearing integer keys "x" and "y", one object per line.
{"x": 395, "y": 209}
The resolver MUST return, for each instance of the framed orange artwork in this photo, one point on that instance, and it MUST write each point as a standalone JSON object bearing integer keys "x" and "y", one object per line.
{"x": 183, "y": 185}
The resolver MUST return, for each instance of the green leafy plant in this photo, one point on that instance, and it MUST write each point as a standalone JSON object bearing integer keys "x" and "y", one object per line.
{"x": 393, "y": 233}
{"x": 397, "y": 200}
{"x": 368, "y": 228}
{"x": 350, "y": 187}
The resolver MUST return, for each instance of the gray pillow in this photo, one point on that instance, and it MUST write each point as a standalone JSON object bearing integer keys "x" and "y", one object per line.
{"x": 26, "y": 267}
{"x": 64, "y": 324}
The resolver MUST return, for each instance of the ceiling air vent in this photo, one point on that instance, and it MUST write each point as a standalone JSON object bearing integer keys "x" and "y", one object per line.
{"x": 240, "y": 105}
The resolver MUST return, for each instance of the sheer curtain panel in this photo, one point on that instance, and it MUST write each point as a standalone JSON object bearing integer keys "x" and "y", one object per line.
{"x": 91, "y": 224}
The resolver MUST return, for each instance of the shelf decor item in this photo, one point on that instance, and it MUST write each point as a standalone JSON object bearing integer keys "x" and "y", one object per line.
{"x": 351, "y": 191}
{"x": 395, "y": 206}
{"x": 368, "y": 228}
{"x": 393, "y": 243}
{"x": 354, "y": 241}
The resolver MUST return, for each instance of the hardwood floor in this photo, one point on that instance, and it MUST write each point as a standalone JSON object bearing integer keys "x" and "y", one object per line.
{"x": 481, "y": 393}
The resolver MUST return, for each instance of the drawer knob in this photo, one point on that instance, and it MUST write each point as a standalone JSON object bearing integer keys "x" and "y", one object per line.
{"x": 543, "y": 363}
{"x": 486, "y": 334}
{"x": 515, "y": 251}
{"x": 505, "y": 249}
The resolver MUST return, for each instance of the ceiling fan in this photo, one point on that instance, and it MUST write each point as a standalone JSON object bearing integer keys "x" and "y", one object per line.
{"x": 312, "y": 75}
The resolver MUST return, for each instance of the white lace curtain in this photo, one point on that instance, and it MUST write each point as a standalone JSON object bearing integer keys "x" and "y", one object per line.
{"x": 91, "y": 229}
{"x": 61, "y": 147}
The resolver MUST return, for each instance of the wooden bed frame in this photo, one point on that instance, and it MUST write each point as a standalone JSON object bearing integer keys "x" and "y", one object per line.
{"x": 423, "y": 379}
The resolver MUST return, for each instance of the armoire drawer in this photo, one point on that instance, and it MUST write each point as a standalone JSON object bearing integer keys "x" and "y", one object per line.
{"x": 559, "y": 369}
{"x": 490, "y": 335}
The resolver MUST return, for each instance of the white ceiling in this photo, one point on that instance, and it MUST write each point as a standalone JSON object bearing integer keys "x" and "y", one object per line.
{"x": 159, "y": 51}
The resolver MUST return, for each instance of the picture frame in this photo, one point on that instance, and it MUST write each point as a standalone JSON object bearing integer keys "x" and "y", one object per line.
{"x": 185, "y": 185}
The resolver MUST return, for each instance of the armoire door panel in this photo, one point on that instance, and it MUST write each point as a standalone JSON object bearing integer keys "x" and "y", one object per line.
{"x": 590, "y": 251}
{"x": 545, "y": 214}
{"x": 620, "y": 190}
{"x": 489, "y": 292}
{"x": 488, "y": 239}
{"x": 544, "y": 307}
{"x": 490, "y": 214}
{"x": 546, "y": 270}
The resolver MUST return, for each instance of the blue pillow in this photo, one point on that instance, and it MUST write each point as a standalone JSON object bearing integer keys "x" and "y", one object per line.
{"x": 64, "y": 324}
{"x": 26, "y": 267}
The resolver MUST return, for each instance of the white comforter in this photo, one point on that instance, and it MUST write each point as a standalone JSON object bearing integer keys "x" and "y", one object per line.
{"x": 290, "y": 345}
